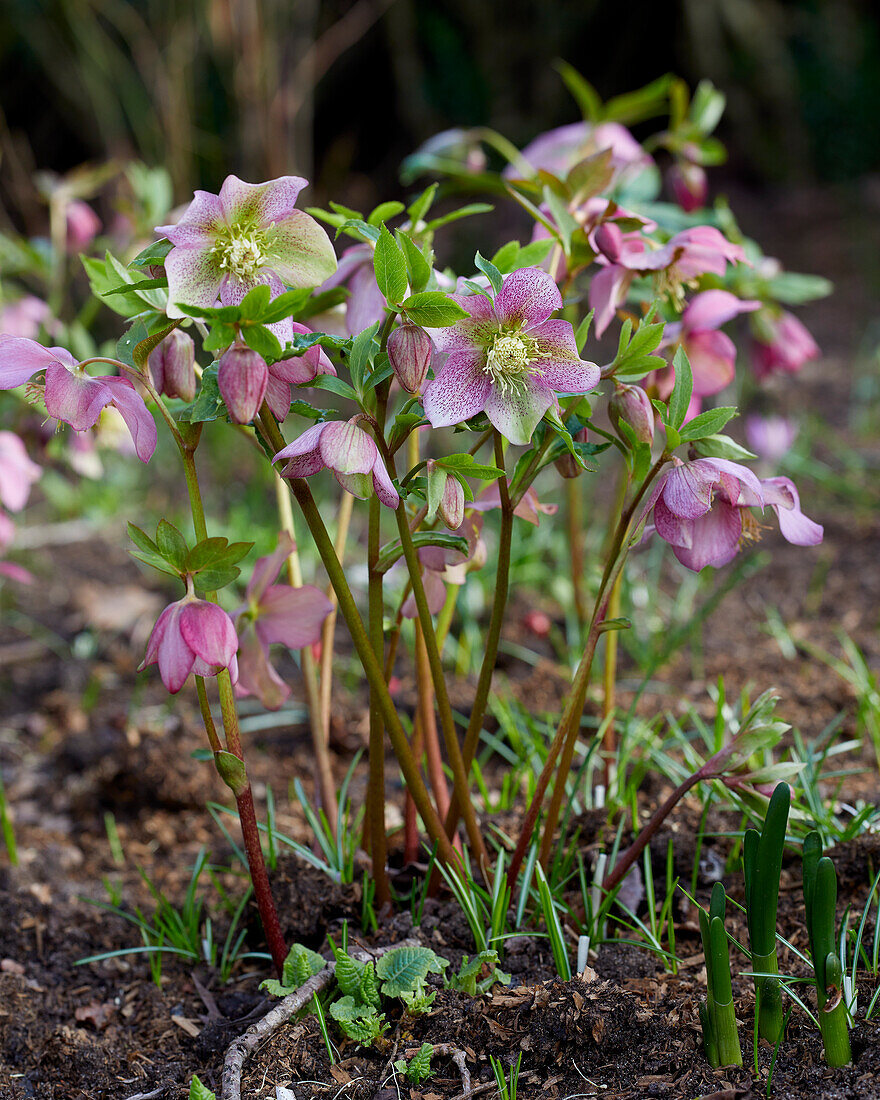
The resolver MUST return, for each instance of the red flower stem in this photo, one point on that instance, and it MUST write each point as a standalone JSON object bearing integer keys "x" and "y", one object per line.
{"x": 244, "y": 799}
{"x": 428, "y": 725}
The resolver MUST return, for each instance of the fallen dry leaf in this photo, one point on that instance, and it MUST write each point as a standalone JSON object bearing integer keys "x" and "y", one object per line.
{"x": 95, "y": 1013}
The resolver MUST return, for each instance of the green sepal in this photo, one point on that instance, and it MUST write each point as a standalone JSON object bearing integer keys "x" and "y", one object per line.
{"x": 232, "y": 771}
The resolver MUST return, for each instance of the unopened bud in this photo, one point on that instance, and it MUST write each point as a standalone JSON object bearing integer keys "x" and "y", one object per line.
{"x": 451, "y": 507}
{"x": 172, "y": 365}
{"x": 410, "y": 351}
{"x": 242, "y": 377}
{"x": 632, "y": 405}
{"x": 608, "y": 239}
{"x": 567, "y": 464}
{"x": 689, "y": 185}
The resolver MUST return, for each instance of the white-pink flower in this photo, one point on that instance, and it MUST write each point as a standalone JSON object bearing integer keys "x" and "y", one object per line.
{"x": 191, "y": 635}
{"x": 508, "y": 359}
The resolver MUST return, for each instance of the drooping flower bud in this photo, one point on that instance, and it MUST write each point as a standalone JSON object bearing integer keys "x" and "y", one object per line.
{"x": 242, "y": 377}
{"x": 410, "y": 351}
{"x": 172, "y": 365}
{"x": 632, "y": 405}
{"x": 83, "y": 225}
{"x": 451, "y": 507}
{"x": 609, "y": 239}
{"x": 689, "y": 185}
{"x": 566, "y": 464}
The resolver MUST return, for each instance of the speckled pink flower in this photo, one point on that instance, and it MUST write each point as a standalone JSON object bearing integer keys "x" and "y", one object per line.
{"x": 191, "y": 635}
{"x": 508, "y": 359}
{"x": 73, "y": 395}
{"x": 251, "y": 233}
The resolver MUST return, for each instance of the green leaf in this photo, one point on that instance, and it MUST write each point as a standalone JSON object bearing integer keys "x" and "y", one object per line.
{"x": 433, "y": 309}
{"x": 261, "y": 340}
{"x": 583, "y": 331}
{"x": 707, "y": 107}
{"x": 390, "y": 267}
{"x": 206, "y": 553}
{"x": 287, "y": 304}
{"x": 214, "y": 578}
{"x": 506, "y": 255}
{"x": 591, "y": 175}
{"x": 417, "y": 265}
{"x": 172, "y": 545}
{"x": 349, "y": 973}
{"x": 155, "y": 561}
{"x": 490, "y": 271}
{"x": 405, "y": 968}
{"x": 680, "y": 397}
{"x": 722, "y": 446}
{"x": 585, "y": 95}
{"x": 384, "y": 211}
{"x": 420, "y": 206}
{"x": 393, "y": 551}
{"x": 198, "y": 1091}
{"x": 462, "y": 212}
{"x": 334, "y": 385}
{"x": 707, "y": 423}
{"x": 300, "y": 965}
{"x": 208, "y": 404}
{"x": 153, "y": 255}
{"x": 363, "y": 348}
{"x": 220, "y": 337}
{"x": 142, "y": 284}
{"x": 142, "y": 540}
{"x": 794, "y": 289}
{"x": 141, "y": 351}
{"x": 535, "y": 252}
{"x": 126, "y": 305}
{"x": 358, "y": 228}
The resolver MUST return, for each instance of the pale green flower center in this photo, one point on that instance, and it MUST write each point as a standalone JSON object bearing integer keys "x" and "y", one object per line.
{"x": 510, "y": 361}
{"x": 241, "y": 251}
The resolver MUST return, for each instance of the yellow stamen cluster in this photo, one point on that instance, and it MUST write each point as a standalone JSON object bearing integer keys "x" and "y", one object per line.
{"x": 241, "y": 250}
{"x": 510, "y": 361}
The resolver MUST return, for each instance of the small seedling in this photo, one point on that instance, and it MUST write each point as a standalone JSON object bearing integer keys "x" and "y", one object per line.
{"x": 506, "y": 1085}
{"x": 418, "y": 1069}
{"x": 820, "y": 898}
{"x": 720, "y": 1039}
{"x": 762, "y": 866}
{"x": 470, "y": 977}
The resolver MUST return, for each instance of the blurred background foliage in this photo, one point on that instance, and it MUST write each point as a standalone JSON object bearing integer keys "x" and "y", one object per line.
{"x": 340, "y": 92}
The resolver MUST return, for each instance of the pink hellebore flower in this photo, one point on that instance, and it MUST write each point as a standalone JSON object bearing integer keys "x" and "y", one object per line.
{"x": 352, "y": 455}
{"x": 789, "y": 346}
{"x": 712, "y": 354}
{"x": 702, "y": 250}
{"x": 74, "y": 396}
{"x": 83, "y": 225}
{"x": 251, "y": 233}
{"x": 529, "y": 508}
{"x": 770, "y": 437}
{"x": 559, "y": 150}
{"x": 191, "y": 635}
{"x": 699, "y": 509}
{"x": 507, "y": 359}
{"x": 24, "y": 316}
{"x": 274, "y": 613}
{"x": 366, "y": 303}
{"x": 17, "y": 472}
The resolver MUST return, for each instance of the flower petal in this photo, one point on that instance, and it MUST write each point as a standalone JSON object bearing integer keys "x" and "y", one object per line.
{"x": 366, "y": 303}
{"x": 234, "y": 290}
{"x": 780, "y": 493}
{"x": 266, "y": 569}
{"x": 608, "y": 290}
{"x": 712, "y": 357}
{"x": 136, "y": 415}
{"x": 714, "y": 308}
{"x": 194, "y": 278}
{"x": 198, "y": 225}
{"x": 303, "y": 444}
{"x": 208, "y": 631}
{"x": 471, "y": 333}
{"x": 300, "y": 250}
{"x": 715, "y": 538}
{"x": 459, "y": 391}
{"x": 173, "y": 655}
{"x": 527, "y": 298}
{"x": 76, "y": 399}
{"x": 20, "y": 359}
{"x": 260, "y": 203}
{"x": 256, "y": 676}
{"x": 292, "y": 616}
{"x": 359, "y": 485}
{"x": 383, "y": 485}
{"x": 517, "y": 413}
{"x": 277, "y": 397}
{"x": 17, "y": 472}
{"x": 346, "y": 448}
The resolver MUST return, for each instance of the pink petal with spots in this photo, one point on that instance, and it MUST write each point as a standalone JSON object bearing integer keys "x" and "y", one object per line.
{"x": 471, "y": 333}
{"x": 76, "y": 399}
{"x": 136, "y": 415}
{"x": 21, "y": 359}
{"x": 517, "y": 413}
{"x": 716, "y": 538}
{"x": 527, "y": 298}
{"x": 459, "y": 391}
{"x": 194, "y": 279}
{"x": 383, "y": 485}
{"x": 199, "y": 223}
{"x": 347, "y": 448}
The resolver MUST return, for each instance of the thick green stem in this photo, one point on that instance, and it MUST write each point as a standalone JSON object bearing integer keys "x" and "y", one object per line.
{"x": 447, "y": 722}
{"x": 493, "y": 637}
{"x": 371, "y": 666}
{"x": 574, "y": 508}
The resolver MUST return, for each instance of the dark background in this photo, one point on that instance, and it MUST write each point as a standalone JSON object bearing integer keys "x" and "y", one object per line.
{"x": 340, "y": 92}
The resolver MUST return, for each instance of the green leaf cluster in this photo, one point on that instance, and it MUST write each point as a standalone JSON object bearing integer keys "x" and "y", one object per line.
{"x": 211, "y": 563}
{"x": 300, "y": 965}
{"x": 418, "y": 1069}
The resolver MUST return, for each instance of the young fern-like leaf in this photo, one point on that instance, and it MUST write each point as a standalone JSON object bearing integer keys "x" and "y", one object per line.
{"x": 418, "y": 1069}
{"x": 404, "y": 969}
